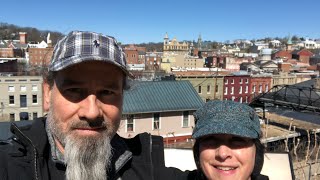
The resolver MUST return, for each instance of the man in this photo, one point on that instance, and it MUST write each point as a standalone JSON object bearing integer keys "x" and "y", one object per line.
{"x": 83, "y": 94}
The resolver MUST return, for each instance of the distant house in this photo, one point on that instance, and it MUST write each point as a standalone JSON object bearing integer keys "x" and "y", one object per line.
{"x": 250, "y": 67}
{"x": 269, "y": 66}
{"x": 162, "y": 108}
{"x": 302, "y": 55}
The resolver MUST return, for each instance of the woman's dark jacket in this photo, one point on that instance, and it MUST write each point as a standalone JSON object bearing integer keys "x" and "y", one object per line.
{"x": 27, "y": 156}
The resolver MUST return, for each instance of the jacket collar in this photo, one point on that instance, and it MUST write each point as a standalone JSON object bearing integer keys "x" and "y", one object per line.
{"x": 36, "y": 136}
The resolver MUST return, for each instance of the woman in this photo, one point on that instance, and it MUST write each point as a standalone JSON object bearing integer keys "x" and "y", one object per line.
{"x": 227, "y": 143}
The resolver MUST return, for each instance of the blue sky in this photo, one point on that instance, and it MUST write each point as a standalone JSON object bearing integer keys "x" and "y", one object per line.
{"x": 137, "y": 21}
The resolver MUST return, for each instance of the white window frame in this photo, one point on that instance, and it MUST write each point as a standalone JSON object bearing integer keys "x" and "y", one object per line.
{"x": 188, "y": 124}
{"x": 34, "y": 87}
{"x": 153, "y": 121}
{"x": 209, "y": 86}
{"x": 36, "y": 99}
{"x": 13, "y": 101}
{"x": 23, "y": 88}
{"x": 232, "y": 81}
{"x": 133, "y": 122}
{"x": 226, "y": 81}
{"x": 199, "y": 89}
{"x": 241, "y": 80}
{"x": 246, "y": 91}
{"x": 11, "y": 88}
{"x": 260, "y": 88}
{"x": 240, "y": 90}
{"x": 226, "y": 90}
{"x": 232, "y": 90}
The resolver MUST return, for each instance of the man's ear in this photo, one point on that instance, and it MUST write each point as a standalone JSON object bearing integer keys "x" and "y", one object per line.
{"x": 46, "y": 96}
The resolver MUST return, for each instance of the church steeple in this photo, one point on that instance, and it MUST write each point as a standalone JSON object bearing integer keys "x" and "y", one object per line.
{"x": 199, "y": 42}
{"x": 289, "y": 43}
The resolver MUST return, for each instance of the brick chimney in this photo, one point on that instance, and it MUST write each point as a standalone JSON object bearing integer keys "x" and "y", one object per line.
{"x": 23, "y": 37}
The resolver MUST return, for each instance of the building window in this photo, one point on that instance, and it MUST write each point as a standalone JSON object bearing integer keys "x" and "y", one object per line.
{"x": 34, "y": 87}
{"x": 199, "y": 89}
{"x": 233, "y": 98}
{"x": 225, "y": 90}
{"x": 11, "y": 117}
{"x": 156, "y": 121}
{"x": 232, "y": 90}
{"x": 23, "y": 88}
{"x": 232, "y": 81}
{"x": 23, "y": 100}
{"x": 11, "y": 88}
{"x": 260, "y": 88}
{"x": 130, "y": 123}
{"x": 246, "y": 89}
{"x": 35, "y": 115}
{"x": 247, "y": 81}
{"x": 208, "y": 89}
{"x": 240, "y": 90}
{"x": 240, "y": 99}
{"x": 34, "y": 99}
{"x": 226, "y": 81}
{"x": 185, "y": 120}
{"x": 267, "y": 87}
{"x": 11, "y": 100}
{"x": 241, "y": 81}
{"x": 217, "y": 88}
{"x": 246, "y": 99}
{"x": 253, "y": 88}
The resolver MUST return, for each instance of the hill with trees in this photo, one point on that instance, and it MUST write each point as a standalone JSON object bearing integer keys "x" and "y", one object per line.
{"x": 11, "y": 32}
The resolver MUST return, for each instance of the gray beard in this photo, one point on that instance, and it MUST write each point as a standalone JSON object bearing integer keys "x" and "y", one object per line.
{"x": 87, "y": 158}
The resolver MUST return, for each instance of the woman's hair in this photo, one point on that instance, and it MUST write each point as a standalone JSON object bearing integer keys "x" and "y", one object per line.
{"x": 259, "y": 159}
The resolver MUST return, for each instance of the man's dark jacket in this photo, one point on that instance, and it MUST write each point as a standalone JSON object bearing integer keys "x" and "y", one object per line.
{"x": 27, "y": 156}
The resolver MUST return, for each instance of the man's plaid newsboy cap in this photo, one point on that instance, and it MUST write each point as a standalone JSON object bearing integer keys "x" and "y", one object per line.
{"x": 81, "y": 46}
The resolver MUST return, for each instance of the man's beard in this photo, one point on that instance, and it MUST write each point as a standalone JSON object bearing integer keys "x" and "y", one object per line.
{"x": 87, "y": 157}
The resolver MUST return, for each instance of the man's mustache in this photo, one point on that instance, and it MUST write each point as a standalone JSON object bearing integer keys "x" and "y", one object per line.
{"x": 86, "y": 123}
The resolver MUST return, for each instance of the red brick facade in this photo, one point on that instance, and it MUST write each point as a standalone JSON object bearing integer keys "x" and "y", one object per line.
{"x": 40, "y": 56}
{"x": 134, "y": 54}
{"x": 258, "y": 85}
{"x": 236, "y": 88}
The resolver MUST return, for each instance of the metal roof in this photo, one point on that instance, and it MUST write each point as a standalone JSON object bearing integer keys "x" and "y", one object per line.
{"x": 161, "y": 96}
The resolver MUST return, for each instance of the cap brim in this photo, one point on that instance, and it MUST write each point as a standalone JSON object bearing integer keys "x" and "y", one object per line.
{"x": 68, "y": 62}
{"x": 226, "y": 127}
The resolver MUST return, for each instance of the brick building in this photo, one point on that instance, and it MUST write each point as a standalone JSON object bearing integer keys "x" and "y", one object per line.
{"x": 40, "y": 56}
{"x": 259, "y": 84}
{"x": 236, "y": 88}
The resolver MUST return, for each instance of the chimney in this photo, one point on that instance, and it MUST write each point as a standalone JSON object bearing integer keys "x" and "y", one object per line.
{"x": 23, "y": 37}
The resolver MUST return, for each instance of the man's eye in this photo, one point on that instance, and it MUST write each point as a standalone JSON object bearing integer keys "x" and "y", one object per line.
{"x": 74, "y": 94}
{"x": 106, "y": 92}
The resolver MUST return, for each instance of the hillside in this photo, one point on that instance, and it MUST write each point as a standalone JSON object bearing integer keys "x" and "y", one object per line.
{"x": 10, "y": 31}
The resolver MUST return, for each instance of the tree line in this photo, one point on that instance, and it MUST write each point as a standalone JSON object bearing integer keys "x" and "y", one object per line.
{"x": 11, "y": 32}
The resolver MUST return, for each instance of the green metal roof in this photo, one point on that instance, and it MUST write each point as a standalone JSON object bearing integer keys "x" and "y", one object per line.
{"x": 160, "y": 96}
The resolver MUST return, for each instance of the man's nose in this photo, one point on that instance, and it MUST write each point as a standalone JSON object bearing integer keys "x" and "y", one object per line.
{"x": 90, "y": 108}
